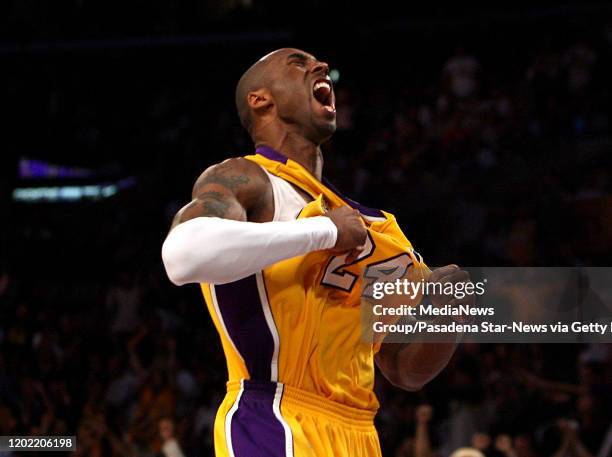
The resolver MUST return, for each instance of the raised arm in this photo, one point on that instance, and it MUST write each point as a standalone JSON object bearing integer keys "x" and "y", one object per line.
{"x": 224, "y": 235}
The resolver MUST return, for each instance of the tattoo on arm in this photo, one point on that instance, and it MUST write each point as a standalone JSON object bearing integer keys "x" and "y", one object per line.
{"x": 209, "y": 203}
{"x": 213, "y": 203}
{"x": 221, "y": 191}
{"x": 223, "y": 177}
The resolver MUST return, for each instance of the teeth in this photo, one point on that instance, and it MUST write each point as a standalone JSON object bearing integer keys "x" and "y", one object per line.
{"x": 321, "y": 84}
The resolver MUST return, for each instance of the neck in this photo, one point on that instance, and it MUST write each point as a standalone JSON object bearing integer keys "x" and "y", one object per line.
{"x": 295, "y": 147}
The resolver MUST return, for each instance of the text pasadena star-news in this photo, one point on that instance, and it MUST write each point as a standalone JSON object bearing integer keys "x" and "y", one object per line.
{"x": 431, "y": 310}
{"x": 489, "y": 327}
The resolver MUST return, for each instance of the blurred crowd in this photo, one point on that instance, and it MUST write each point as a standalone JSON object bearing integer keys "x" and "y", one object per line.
{"x": 481, "y": 168}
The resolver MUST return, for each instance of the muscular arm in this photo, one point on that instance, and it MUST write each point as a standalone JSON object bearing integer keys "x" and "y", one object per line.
{"x": 223, "y": 235}
{"x": 229, "y": 190}
{"x": 412, "y": 365}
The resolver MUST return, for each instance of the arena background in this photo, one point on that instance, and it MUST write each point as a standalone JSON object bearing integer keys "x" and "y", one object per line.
{"x": 486, "y": 130}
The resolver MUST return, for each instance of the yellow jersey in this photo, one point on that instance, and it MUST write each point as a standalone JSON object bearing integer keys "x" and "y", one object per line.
{"x": 298, "y": 321}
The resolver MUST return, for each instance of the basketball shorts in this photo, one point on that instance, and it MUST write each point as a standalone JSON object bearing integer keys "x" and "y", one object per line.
{"x": 268, "y": 419}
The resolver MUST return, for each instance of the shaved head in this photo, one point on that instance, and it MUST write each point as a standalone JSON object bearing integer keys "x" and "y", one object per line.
{"x": 279, "y": 88}
{"x": 252, "y": 79}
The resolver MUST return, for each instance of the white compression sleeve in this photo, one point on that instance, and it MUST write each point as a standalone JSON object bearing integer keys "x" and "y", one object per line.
{"x": 217, "y": 251}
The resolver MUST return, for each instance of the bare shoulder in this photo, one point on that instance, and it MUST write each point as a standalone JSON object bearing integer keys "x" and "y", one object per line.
{"x": 235, "y": 189}
{"x": 238, "y": 175}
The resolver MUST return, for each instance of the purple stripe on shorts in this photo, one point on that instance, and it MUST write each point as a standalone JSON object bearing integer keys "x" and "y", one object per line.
{"x": 256, "y": 431}
{"x": 242, "y": 313}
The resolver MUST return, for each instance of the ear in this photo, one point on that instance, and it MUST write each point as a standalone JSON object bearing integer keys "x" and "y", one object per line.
{"x": 259, "y": 99}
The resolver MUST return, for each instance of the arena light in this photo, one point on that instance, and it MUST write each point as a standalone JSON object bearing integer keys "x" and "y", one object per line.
{"x": 334, "y": 75}
{"x": 36, "y": 169}
{"x": 55, "y": 194}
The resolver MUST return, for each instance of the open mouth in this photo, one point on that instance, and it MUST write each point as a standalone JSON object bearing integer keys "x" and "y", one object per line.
{"x": 322, "y": 92}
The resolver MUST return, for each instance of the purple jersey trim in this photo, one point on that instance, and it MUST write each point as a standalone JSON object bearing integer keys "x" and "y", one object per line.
{"x": 243, "y": 315}
{"x": 256, "y": 431}
{"x": 272, "y": 154}
{"x": 372, "y": 212}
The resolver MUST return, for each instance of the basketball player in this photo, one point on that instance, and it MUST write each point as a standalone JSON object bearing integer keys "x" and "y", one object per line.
{"x": 281, "y": 256}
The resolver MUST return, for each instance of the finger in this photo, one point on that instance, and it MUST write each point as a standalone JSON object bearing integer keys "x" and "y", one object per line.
{"x": 361, "y": 221}
{"x": 359, "y": 249}
{"x": 363, "y": 240}
{"x": 441, "y": 300}
{"x": 442, "y": 271}
{"x": 469, "y": 300}
{"x": 354, "y": 254}
{"x": 455, "y": 277}
{"x": 446, "y": 295}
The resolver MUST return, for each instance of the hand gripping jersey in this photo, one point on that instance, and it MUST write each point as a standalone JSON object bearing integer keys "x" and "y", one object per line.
{"x": 292, "y": 335}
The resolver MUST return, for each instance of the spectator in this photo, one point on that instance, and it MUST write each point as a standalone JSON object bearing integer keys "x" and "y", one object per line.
{"x": 467, "y": 452}
{"x": 170, "y": 446}
{"x": 462, "y": 73}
